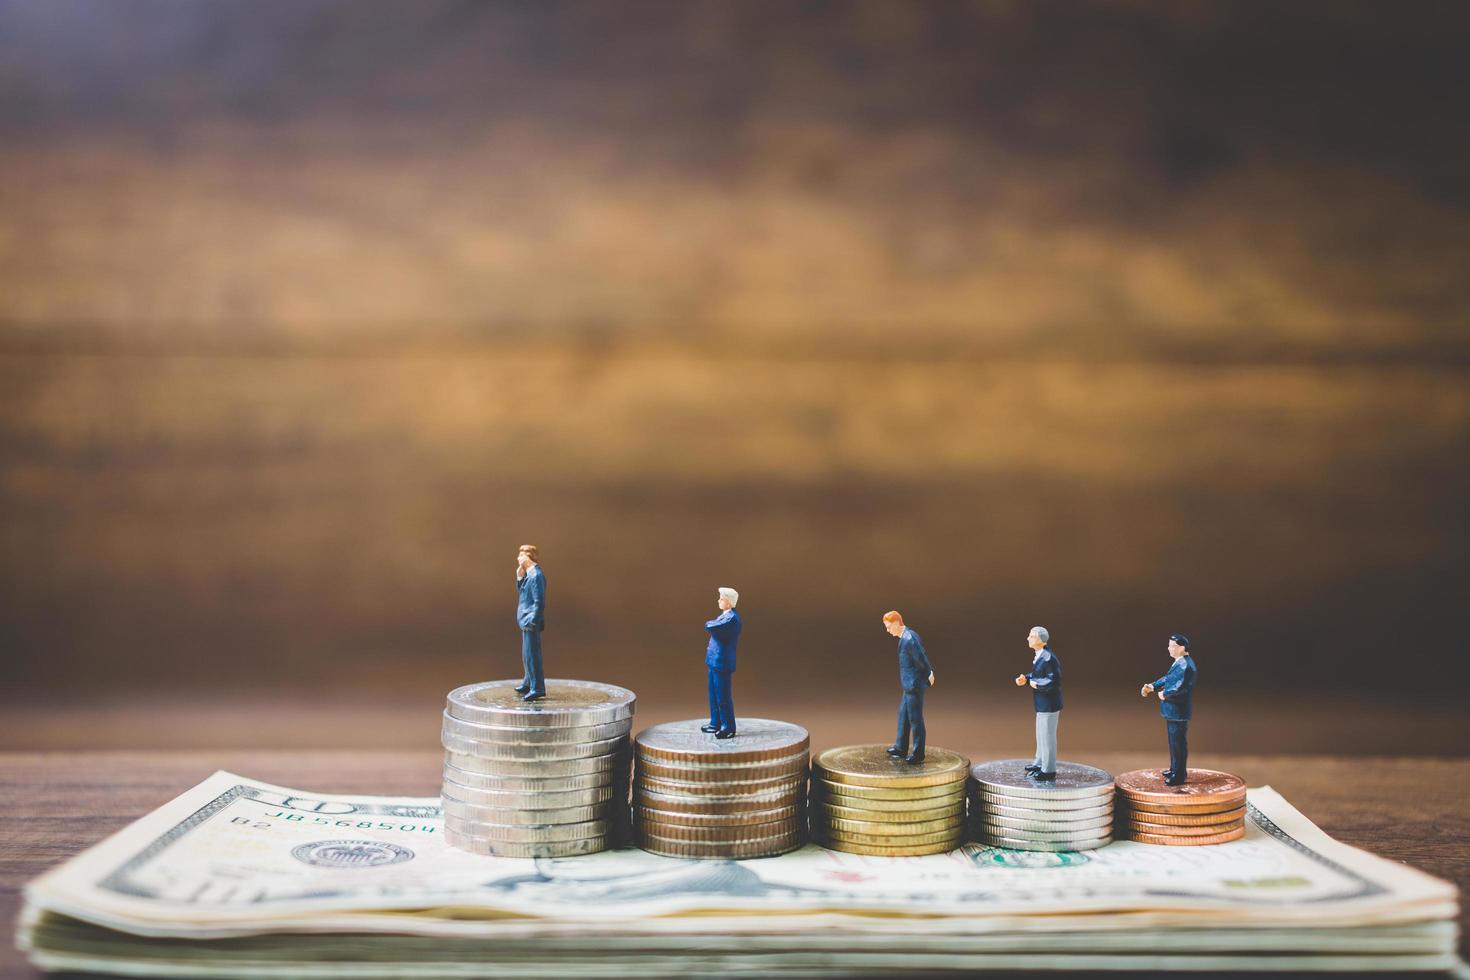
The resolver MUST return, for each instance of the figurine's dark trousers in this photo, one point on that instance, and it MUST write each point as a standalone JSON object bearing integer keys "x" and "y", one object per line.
{"x": 1178, "y": 746}
{"x": 535, "y": 679}
{"x": 910, "y": 720}
{"x": 721, "y": 700}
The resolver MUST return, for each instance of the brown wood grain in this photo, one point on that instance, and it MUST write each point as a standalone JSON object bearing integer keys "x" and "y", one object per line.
{"x": 53, "y": 804}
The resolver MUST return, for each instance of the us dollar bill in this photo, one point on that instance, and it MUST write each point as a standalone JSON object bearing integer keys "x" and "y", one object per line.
{"x": 237, "y": 877}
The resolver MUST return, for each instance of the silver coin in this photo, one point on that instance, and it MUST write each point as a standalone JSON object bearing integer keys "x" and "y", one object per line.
{"x": 568, "y": 703}
{"x": 526, "y": 818}
{"x": 1033, "y": 803}
{"x": 538, "y": 768}
{"x": 1008, "y": 777}
{"x": 1063, "y": 833}
{"x": 1019, "y": 844}
{"x": 456, "y": 728}
{"x": 527, "y": 801}
{"x": 1028, "y": 824}
{"x": 1037, "y": 813}
{"x": 527, "y": 833}
{"x": 759, "y": 740}
{"x": 537, "y": 753}
{"x": 529, "y": 784}
{"x": 524, "y": 849}
{"x": 743, "y": 819}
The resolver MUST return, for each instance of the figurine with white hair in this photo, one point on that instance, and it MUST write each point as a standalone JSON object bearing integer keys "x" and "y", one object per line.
{"x": 719, "y": 657}
{"x": 1045, "y": 681}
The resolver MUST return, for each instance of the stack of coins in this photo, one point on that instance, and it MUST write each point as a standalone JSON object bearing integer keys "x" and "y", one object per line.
{"x": 545, "y": 778}
{"x": 865, "y": 801}
{"x": 1207, "y": 809}
{"x": 1010, "y": 809}
{"x": 696, "y": 796}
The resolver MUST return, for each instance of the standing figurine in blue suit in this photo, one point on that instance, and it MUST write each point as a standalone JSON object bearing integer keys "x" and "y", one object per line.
{"x": 531, "y": 617}
{"x": 1176, "y": 704}
{"x": 1045, "y": 680}
{"x": 719, "y": 657}
{"x": 916, "y": 676}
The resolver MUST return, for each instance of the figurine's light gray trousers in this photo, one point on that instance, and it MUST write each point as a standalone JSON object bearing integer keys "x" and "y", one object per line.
{"x": 1046, "y": 740}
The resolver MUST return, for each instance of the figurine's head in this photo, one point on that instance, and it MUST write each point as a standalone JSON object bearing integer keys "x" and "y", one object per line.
{"x": 527, "y": 555}
{"x": 1178, "y": 645}
{"x": 1038, "y": 637}
{"x": 893, "y": 623}
{"x": 727, "y": 598}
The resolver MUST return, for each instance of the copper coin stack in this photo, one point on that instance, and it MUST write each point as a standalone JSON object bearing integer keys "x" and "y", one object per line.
{"x": 1209, "y": 808}
{"x": 546, "y": 778}
{"x": 865, "y": 801}
{"x": 1011, "y": 809}
{"x": 696, "y": 796}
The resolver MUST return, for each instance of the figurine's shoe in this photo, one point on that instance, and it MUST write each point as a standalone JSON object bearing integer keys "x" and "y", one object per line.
{"x": 522, "y": 688}
{"x": 709, "y": 729}
{"x": 533, "y": 696}
{"x": 1167, "y": 773}
{"x": 915, "y": 759}
{"x": 1033, "y": 769}
{"x": 1175, "y": 781}
{"x": 894, "y": 750}
{"x": 1044, "y": 777}
{"x": 725, "y": 734}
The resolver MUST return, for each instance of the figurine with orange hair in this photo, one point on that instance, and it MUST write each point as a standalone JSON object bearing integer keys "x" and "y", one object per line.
{"x": 916, "y": 676}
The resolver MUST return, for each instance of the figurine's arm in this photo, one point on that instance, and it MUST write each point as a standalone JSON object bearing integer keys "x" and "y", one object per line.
{"x": 1046, "y": 678}
{"x": 1184, "y": 683}
{"x": 536, "y": 593}
{"x": 920, "y": 658}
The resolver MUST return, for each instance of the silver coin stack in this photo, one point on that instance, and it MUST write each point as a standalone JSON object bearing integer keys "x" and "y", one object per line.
{"x": 545, "y": 778}
{"x": 1011, "y": 809}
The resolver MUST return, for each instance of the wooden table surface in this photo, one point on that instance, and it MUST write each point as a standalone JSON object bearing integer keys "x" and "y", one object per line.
{"x": 54, "y": 804}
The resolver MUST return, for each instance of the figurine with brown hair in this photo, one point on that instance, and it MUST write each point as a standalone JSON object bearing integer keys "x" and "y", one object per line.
{"x": 916, "y": 676}
{"x": 531, "y": 617}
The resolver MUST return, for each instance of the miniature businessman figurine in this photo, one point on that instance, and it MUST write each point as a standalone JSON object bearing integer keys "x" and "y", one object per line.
{"x": 1176, "y": 704}
{"x": 1045, "y": 680}
{"x": 719, "y": 657}
{"x": 531, "y": 617}
{"x": 916, "y": 676}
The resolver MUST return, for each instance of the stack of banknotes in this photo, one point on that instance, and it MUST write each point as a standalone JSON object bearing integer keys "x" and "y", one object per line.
{"x": 238, "y": 878}
{"x": 545, "y": 778}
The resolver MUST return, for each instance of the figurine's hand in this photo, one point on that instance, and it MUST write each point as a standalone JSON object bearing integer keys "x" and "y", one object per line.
{"x": 1146, "y": 690}
{"x": 1161, "y": 696}
{"x": 1020, "y": 680}
{"x": 1033, "y": 685}
{"x": 931, "y": 678}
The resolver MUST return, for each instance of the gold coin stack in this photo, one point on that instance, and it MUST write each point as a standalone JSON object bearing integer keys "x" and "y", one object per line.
{"x": 1207, "y": 809}
{"x": 865, "y": 801}
{"x": 696, "y": 796}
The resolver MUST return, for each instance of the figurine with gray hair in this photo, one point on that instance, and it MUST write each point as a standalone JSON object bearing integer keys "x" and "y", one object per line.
{"x": 1045, "y": 681}
{"x": 719, "y": 657}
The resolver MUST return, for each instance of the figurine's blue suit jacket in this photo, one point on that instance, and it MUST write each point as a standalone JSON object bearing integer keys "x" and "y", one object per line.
{"x": 1178, "y": 688}
{"x": 1047, "y": 673}
{"x": 531, "y": 607}
{"x": 913, "y": 662}
{"x": 724, "y": 634}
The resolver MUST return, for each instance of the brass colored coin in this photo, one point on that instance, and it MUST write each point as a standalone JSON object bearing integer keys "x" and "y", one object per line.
{"x": 953, "y": 838}
{"x": 512, "y": 849}
{"x": 859, "y": 803}
{"x": 718, "y": 804}
{"x": 746, "y": 819}
{"x": 1074, "y": 781}
{"x": 901, "y": 850}
{"x": 1049, "y": 806}
{"x": 725, "y": 790}
{"x": 1168, "y": 830}
{"x": 756, "y": 740}
{"x": 1024, "y": 844}
{"x": 893, "y": 794}
{"x": 721, "y": 852}
{"x": 520, "y": 735}
{"x": 1185, "y": 819}
{"x": 738, "y": 834}
{"x": 1178, "y": 841}
{"x": 794, "y": 768}
{"x": 871, "y": 765}
{"x": 526, "y": 835}
{"x": 492, "y": 783}
{"x": 538, "y": 768}
{"x": 1025, "y": 825}
{"x": 1142, "y": 806}
{"x": 1202, "y": 786}
{"x": 534, "y": 753}
{"x": 1044, "y": 816}
{"x": 830, "y": 812}
{"x": 866, "y": 827}
{"x": 567, "y": 703}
